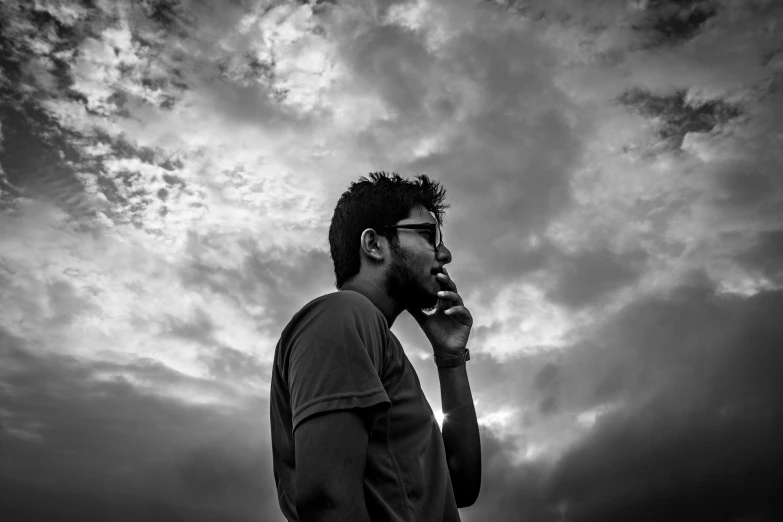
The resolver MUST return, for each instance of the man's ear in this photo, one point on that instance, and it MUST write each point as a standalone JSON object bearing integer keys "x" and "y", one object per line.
{"x": 371, "y": 245}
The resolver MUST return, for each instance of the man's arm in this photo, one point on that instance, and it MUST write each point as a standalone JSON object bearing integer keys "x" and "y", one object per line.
{"x": 460, "y": 434}
{"x": 331, "y": 452}
{"x": 448, "y": 330}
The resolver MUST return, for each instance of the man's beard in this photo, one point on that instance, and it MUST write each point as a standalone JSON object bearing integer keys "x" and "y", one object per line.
{"x": 403, "y": 286}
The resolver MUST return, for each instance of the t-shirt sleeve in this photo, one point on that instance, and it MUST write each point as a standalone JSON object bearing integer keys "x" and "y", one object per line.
{"x": 336, "y": 359}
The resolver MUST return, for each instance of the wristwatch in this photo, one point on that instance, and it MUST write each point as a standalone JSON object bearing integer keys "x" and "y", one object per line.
{"x": 449, "y": 362}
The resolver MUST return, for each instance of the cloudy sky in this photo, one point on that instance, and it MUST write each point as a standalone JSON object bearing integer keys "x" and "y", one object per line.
{"x": 168, "y": 170}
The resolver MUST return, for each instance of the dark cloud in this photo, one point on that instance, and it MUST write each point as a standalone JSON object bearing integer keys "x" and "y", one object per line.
{"x": 224, "y": 363}
{"x": 281, "y": 281}
{"x": 546, "y": 383}
{"x": 696, "y": 378}
{"x": 198, "y": 329}
{"x": 697, "y": 437}
{"x": 676, "y": 115}
{"x": 394, "y": 60}
{"x": 745, "y": 185}
{"x": 588, "y": 276}
{"x": 37, "y": 157}
{"x": 674, "y": 465}
{"x": 547, "y": 378}
{"x": 65, "y": 303}
{"x": 509, "y": 491}
{"x": 675, "y": 21}
{"x": 231, "y": 365}
{"x": 766, "y": 256}
{"x": 34, "y": 502}
{"x": 651, "y": 24}
{"x": 223, "y": 470}
{"x": 170, "y": 14}
{"x": 107, "y": 449}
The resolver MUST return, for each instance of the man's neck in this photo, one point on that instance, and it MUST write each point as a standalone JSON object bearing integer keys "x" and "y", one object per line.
{"x": 375, "y": 292}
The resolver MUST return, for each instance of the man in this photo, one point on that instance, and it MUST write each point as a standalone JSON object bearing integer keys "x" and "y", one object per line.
{"x": 353, "y": 437}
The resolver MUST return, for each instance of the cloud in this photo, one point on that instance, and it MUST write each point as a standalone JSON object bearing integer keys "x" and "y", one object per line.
{"x": 684, "y": 414}
{"x": 766, "y": 255}
{"x": 679, "y": 118}
{"x": 695, "y": 467}
{"x": 272, "y": 284}
{"x": 676, "y": 21}
{"x": 508, "y": 491}
{"x": 589, "y": 276}
{"x": 169, "y": 169}
{"x": 148, "y": 454}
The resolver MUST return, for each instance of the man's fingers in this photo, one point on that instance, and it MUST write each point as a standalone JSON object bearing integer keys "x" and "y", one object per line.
{"x": 454, "y": 297}
{"x": 460, "y": 313}
{"x": 447, "y": 282}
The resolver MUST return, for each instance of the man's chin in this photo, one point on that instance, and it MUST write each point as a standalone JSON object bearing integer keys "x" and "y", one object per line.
{"x": 426, "y": 303}
{"x": 416, "y": 297}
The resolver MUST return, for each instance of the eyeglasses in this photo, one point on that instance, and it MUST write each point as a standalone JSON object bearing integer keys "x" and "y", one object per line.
{"x": 436, "y": 236}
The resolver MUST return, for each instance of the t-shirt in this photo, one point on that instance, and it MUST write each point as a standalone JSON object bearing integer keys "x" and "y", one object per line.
{"x": 338, "y": 353}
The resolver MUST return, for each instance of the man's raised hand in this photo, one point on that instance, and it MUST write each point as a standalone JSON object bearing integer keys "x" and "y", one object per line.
{"x": 448, "y": 328}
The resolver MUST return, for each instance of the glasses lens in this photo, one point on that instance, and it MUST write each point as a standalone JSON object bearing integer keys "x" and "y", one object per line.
{"x": 438, "y": 236}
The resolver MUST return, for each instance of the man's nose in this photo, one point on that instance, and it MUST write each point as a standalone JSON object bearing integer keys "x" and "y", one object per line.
{"x": 443, "y": 254}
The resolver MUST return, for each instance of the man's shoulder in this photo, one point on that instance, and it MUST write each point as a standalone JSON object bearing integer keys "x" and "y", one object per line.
{"x": 344, "y": 305}
{"x": 345, "y": 300}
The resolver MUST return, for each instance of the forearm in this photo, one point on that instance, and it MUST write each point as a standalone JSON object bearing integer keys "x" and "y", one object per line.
{"x": 460, "y": 434}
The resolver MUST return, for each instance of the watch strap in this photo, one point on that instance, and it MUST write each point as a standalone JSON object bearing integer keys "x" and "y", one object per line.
{"x": 449, "y": 362}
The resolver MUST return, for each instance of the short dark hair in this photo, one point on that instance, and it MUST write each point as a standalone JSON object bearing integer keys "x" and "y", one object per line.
{"x": 383, "y": 199}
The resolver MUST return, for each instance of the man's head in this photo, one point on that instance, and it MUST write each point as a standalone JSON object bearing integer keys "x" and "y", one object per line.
{"x": 371, "y": 204}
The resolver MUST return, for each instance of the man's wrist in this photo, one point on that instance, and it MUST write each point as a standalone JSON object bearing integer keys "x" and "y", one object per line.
{"x": 440, "y": 351}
